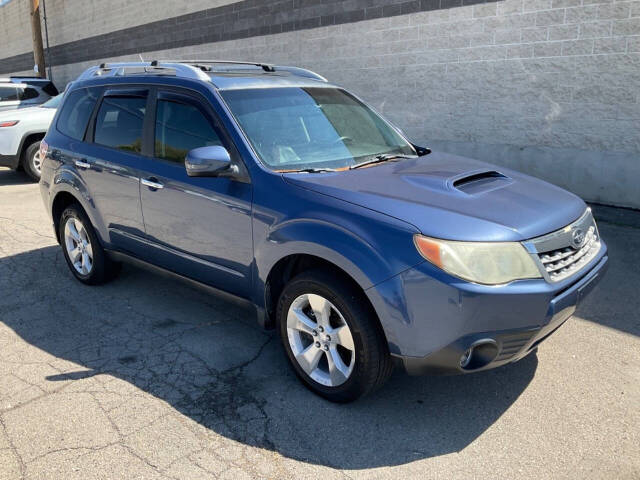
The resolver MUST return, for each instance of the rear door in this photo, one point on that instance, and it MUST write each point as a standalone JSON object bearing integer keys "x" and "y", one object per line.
{"x": 108, "y": 163}
{"x": 200, "y": 226}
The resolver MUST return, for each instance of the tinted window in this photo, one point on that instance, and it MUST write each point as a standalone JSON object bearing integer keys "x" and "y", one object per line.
{"x": 50, "y": 89}
{"x": 8, "y": 93}
{"x": 75, "y": 113}
{"x": 28, "y": 93}
{"x": 119, "y": 123}
{"x": 181, "y": 127}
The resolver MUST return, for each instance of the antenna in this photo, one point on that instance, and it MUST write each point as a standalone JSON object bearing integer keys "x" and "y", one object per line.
{"x": 141, "y": 59}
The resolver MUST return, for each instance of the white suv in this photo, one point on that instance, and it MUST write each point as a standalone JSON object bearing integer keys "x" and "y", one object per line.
{"x": 23, "y": 92}
{"x": 20, "y": 134}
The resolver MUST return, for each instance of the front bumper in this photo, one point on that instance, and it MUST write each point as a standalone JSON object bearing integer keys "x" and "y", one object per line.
{"x": 432, "y": 319}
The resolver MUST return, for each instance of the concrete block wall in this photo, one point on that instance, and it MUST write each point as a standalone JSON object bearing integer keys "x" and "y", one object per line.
{"x": 15, "y": 30}
{"x": 548, "y": 87}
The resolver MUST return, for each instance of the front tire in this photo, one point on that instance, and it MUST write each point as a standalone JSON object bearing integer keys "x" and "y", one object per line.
{"x": 31, "y": 161}
{"x": 332, "y": 337}
{"x": 85, "y": 257}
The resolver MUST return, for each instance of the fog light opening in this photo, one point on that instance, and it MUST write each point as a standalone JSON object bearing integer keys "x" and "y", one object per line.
{"x": 479, "y": 355}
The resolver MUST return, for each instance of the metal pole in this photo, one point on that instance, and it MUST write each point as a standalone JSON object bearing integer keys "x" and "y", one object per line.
{"x": 46, "y": 36}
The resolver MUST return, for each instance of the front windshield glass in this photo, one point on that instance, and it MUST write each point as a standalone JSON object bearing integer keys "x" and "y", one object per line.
{"x": 296, "y": 128}
{"x": 53, "y": 102}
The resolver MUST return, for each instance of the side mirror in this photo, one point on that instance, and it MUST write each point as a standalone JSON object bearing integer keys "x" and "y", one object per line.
{"x": 213, "y": 161}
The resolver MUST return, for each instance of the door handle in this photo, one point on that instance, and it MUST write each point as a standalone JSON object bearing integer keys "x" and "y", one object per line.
{"x": 152, "y": 183}
{"x": 82, "y": 164}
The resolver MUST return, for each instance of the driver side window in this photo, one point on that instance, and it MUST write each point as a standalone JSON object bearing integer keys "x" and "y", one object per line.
{"x": 181, "y": 127}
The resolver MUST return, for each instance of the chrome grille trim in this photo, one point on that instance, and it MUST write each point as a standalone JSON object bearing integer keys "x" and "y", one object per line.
{"x": 565, "y": 252}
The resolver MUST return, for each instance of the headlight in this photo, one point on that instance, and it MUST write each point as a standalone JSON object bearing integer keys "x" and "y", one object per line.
{"x": 479, "y": 262}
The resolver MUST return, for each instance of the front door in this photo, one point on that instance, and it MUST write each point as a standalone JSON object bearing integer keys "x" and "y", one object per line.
{"x": 198, "y": 226}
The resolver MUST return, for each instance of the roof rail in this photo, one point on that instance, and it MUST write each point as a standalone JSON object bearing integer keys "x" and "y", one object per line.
{"x": 301, "y": 72}
{"x": 194, "y": 69}
{"x": 139, "y": 68}
{"x": 265, "y": 66}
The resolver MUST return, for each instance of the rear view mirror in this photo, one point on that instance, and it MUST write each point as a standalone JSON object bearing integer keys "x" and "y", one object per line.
{"x": 210, "y": 161}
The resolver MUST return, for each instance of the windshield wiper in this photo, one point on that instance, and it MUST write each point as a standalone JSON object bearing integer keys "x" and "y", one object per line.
{"x": 314, "y": 170}
{"x": 387, "y": 157}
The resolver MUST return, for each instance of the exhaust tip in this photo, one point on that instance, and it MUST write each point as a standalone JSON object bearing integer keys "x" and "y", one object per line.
{"x": 480, "y": 354}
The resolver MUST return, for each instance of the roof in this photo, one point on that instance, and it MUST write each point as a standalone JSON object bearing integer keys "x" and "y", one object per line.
{"x": 224, "y": 75}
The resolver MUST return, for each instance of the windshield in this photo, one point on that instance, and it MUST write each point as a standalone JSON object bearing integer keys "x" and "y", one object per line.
{"x": 312, "y": 128}
{"x": 53, "y": 102}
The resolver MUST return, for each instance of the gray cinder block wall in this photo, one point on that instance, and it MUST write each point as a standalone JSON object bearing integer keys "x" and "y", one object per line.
{"x": 548, "y": 87}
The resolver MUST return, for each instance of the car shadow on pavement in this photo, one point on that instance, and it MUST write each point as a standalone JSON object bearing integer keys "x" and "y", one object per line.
{"x": 211, "y": 362}
{"x": 11, "y": 177}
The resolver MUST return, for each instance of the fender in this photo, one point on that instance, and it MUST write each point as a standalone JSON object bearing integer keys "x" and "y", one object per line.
{"x": 66, "y": 180}
{"x": 348, "y": 248}
{"x": 25, "y": 135}
{"x": 340, "y": 246}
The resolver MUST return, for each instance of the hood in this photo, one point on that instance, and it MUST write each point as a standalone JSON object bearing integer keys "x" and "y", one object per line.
{"x": 451, "y": 197}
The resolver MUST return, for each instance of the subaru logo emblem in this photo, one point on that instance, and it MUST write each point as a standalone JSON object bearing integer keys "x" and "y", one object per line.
{"x": 577, "y": 237}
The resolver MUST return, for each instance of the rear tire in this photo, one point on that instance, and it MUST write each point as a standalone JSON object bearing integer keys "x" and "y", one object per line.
{"x": 31, "y": 161}
{"x": 84, "y": 254}
{"x": 355, "y": 361}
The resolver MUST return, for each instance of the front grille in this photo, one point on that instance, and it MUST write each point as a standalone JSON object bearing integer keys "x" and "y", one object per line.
{"x": 564, "y": 262}
{"x": 567, "y": 251}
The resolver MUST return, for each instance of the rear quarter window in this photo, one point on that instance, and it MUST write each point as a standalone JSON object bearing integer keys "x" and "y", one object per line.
{"x": 75, "y": 112}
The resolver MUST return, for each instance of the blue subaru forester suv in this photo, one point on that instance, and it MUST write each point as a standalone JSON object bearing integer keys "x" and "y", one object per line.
{"x": 272, "y": 186}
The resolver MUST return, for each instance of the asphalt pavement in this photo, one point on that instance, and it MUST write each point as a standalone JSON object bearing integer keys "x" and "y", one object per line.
{"x": 146, "y": 377}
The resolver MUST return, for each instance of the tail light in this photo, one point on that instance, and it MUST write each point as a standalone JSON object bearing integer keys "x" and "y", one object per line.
{"x": 44, "y": 149}
{"x": 8, "y": 123}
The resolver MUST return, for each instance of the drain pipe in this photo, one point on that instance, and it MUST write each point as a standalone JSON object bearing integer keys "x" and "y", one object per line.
{"x": 46, "y": 36}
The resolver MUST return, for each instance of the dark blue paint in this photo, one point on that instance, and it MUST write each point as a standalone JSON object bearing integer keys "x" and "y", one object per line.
{"x": 230, "y": 234}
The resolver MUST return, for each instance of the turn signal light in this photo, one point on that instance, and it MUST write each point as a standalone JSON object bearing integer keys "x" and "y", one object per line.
{"x": 9, "y": 123}
{"x": 429, "y": 249}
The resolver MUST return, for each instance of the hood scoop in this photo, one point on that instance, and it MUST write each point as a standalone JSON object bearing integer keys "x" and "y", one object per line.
{"x": 481, "y": 182}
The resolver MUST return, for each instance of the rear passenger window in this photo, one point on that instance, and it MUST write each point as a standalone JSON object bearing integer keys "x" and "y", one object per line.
{"x": 181, "y": 127}
{"x": 75, "y": 113}
{"x": 8, "y": 93}
{"x": 119, "y": 123}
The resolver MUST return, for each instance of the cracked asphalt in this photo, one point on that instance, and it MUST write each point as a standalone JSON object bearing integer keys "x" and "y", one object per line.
{"x": 148, "y": 378}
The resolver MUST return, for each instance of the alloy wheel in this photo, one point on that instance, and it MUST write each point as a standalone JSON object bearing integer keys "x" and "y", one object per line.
{"x": 36, "y": 162}
{"x": 320, "y": 340}
{"x": 78, "y": 246}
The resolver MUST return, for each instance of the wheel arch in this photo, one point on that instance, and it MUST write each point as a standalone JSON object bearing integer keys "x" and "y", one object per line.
{"x": 27, "y": 139}
{"x": 294, "y": 264}
{"x": 69, "y": 189}
{"x": 60, "y": 202}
